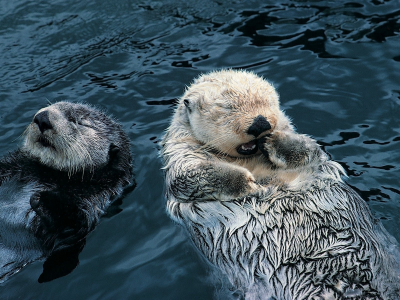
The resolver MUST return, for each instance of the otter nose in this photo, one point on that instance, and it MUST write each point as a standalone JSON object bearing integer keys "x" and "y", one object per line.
{"x": 42, "y": 120}
{"x": 260, "y": 124}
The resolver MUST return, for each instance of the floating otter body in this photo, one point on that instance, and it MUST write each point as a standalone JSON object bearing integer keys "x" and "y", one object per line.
{"x": 75, "y": 160}
{"x": 264, "y": 204}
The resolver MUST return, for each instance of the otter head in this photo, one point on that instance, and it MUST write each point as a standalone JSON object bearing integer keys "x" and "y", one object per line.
{"x": 73, "y": 137}
{"x": 229, "y": 111}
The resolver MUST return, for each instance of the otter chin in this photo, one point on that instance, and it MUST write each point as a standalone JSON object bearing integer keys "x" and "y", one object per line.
{"x": 264, "y": 204}
{"x": 73, "y": 162}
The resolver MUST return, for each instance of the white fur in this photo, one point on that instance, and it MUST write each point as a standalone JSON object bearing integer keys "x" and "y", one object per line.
{"x": 280, "y": 224}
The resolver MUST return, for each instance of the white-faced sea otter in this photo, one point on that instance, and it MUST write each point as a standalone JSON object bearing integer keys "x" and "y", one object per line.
{"x": 264, "y": 204}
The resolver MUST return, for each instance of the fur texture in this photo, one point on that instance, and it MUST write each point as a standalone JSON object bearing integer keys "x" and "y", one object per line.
{"x": 267, "y": 207}
{"x": 75, "y": 160}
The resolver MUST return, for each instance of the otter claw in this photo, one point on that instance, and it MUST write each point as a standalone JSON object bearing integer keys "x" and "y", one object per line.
{"x": 260, "y": 144}
{"x": 35, "y": 201}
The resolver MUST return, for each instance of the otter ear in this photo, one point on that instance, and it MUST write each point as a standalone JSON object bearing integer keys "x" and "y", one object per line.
{"x": 113, "y": 152}
{"x": 187, "y": 104}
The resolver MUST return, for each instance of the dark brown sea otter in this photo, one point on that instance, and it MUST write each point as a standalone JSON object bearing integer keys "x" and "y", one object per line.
{"x": 75, "y": 160}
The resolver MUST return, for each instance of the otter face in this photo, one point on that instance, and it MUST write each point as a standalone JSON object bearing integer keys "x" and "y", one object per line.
{"x": 71, "y": 137}
{"x": 229, "y": 111}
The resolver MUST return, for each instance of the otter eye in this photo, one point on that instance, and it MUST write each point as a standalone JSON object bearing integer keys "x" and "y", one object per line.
{"x": 84, "y": 122}
{"x": 71, "y": 119}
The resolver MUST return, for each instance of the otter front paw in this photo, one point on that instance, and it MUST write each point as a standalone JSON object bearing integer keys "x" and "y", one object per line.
{"x": 288, "y": 150}
{"x": 35, "y": 201}
{"x": 237, "y": 183}
{"x": 38, "y": 203}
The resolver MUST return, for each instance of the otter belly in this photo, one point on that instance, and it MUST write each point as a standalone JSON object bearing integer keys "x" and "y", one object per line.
{"x": 295, "y": 247}
{"x": 18, "y": 245}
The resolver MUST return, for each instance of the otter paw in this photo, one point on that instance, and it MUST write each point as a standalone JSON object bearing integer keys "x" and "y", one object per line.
{"x": 239, "y": 184}
{"x": 38, "y": 204}
{"x": 271, "y": 147}
{"x": 263, "y": 145}
{"x": 35, "y": 201}
{"x": 252, "y": 185}
{"x": 290, "y": 150}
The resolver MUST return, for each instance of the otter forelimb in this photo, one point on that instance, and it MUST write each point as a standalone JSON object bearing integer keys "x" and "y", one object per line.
{"x": 290, "y": 150}
{"x": 205, "y": 180}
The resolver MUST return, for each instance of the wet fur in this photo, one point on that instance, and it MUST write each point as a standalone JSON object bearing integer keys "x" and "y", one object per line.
{"x": 280, "y": 224}
{"x": 52, "y": 205}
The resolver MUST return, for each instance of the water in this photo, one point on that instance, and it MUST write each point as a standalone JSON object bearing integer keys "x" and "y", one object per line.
{"x": 334, "y": 63}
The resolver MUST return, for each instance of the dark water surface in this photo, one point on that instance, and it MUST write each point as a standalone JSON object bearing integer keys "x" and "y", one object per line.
{"x": 336, "y": 65}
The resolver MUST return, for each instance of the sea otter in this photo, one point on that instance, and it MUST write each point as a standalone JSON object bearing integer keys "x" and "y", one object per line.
{"x": 264, "y": 204}
{"x": 53, "y": 190}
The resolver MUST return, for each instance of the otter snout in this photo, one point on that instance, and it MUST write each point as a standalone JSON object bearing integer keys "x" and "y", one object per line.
{"x": 260, "y": 124}
{"x": 43, "y": 121}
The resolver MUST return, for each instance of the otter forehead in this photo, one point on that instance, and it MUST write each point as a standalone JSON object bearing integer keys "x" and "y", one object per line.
{"x": 71, "y": 136}
{"x": 239, "y": 88}
{"x": 242, "y": 95}
{"x": 75, "y": 112}
{"x": 234, "y": 108}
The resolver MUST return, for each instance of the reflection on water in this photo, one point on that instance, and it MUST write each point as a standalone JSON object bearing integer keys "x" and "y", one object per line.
{"x": 334, "y": 63}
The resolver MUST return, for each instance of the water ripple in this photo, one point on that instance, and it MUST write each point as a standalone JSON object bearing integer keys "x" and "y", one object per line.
{"x": 335, "y": 65}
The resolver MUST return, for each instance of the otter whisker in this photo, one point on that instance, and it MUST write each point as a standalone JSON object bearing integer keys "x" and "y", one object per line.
{"x": 213, "y": 144}
{"x": 217, "y": 144}
{"x": 48, "y": 102}
{"x": 24, "y": 133}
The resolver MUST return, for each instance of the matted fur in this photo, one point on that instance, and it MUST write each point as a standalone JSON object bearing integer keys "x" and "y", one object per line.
{"x": 280, "y": 223}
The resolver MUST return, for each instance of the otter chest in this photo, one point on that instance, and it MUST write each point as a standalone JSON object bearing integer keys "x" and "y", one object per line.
{"x": 279, "y": 247}
{"x": 16, "y": 238}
